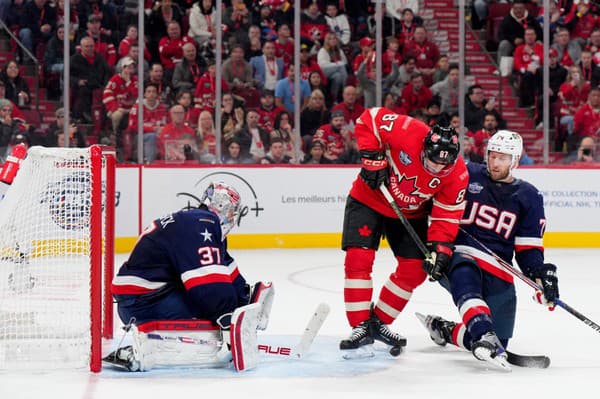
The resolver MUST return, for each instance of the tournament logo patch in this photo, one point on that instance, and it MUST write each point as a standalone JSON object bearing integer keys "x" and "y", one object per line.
{"x": 475, "y": 188}
{"x": 404, "y": 158}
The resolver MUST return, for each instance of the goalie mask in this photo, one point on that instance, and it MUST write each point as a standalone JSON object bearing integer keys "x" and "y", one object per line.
{"x": 441, "y": 145}
{"x": 506, "y": 142}
{"x": 223, "y": 200}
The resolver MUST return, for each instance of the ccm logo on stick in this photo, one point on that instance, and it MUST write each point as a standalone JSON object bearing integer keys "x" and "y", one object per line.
{"x": 275, "y": 350}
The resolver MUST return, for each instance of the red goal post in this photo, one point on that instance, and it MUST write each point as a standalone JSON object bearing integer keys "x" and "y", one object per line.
{"x": 57, "y": 259}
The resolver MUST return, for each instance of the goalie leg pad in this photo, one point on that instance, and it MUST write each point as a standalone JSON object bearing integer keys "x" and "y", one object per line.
{"x": 244, "y": 347}
{"x": 263, "y": 293}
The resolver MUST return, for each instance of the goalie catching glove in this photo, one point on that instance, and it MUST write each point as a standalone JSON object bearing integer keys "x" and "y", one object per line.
{"x": 438, "y": 262}
{"x": 546, "y": 278}
{"x": 374, "y": 170}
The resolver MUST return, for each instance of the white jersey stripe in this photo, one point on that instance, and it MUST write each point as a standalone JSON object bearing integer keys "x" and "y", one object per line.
{"x": 138, "y": 282}
{"x": 529, "y": 241}
{"x": 460, "y": 337}
{"x": 471, "y": 303}
{"x": 357, "y": 283}
{"x": 476, "y": 253}
{"x": 449, "y": 207}
{"x": 373, "y": 112}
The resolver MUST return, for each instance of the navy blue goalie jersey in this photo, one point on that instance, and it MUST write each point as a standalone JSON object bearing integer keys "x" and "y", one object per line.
{"x": 183, "y": 250}
{"x": 507, "y": 218}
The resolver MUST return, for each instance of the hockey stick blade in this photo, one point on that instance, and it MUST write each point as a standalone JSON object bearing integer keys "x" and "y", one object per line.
{"x": 531, "y": 361}
{"x": 311, "y": 330}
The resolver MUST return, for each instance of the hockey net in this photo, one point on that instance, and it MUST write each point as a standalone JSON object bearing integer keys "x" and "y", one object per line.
{"x": 56, "y": 259}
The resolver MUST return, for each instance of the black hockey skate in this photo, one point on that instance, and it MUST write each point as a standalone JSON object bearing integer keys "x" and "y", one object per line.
{"x": 381, "y": 332}
{"x": 360, "y": 336}
{"x": 489, "y": 349}
{"x": 440, "y": 330}
{"x": 123, "y": 358}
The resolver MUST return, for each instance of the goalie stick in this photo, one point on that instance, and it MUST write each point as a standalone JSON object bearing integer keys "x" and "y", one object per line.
{"x": 533, "y": 361}
{"x": 517, "y": 273}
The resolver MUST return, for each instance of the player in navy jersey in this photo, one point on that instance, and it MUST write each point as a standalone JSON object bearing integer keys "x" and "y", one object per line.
{"x": 180, "y": 267}
{"x": 181, "y": 271}
{"x": 420, "y": 167}
{"x": 506, "y": 215}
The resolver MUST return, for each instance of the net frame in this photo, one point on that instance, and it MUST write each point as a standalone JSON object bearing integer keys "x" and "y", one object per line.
{"x": 93, "y": 175}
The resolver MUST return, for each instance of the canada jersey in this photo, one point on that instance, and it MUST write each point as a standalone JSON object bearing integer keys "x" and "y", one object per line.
{"x": 506, "y": 218}
{"x": 183, "y": 248}
{"x": 417, "y": 192}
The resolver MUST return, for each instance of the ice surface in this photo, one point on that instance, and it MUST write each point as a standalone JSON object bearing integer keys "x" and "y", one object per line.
{"x": 305, "y": 277}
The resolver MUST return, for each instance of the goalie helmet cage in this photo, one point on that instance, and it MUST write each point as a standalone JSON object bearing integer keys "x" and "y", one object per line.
{"x": 56, "y": 259}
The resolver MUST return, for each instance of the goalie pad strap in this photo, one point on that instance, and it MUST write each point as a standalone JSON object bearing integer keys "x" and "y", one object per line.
{"x": 177, "y": 325}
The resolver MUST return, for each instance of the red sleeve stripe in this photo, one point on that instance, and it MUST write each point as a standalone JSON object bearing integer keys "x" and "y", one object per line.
{"x": 209, "y": 274}
{"x": 134, "y": 285}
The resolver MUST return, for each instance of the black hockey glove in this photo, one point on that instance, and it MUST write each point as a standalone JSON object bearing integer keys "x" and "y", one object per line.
{"x": 547, "y": 279}
{"x": 439, "y": 262}
{"x": 374, "y": 170}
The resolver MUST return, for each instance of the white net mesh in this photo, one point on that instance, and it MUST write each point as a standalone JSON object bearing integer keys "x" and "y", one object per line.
{"x": 45, "y": 262}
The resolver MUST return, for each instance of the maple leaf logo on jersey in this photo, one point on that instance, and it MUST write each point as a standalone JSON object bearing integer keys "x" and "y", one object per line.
{"x": 406, "y": 192}
{"x": 364, "y": 231}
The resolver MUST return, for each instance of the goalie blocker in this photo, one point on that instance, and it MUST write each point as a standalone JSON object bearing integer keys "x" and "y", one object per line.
{"x": 199, "y": 343}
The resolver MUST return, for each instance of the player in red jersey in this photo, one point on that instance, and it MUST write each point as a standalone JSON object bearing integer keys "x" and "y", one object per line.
{"x": 420, "y": 167}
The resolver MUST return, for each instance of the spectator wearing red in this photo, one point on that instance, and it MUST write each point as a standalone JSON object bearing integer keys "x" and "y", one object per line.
{"x": 102, "y": 43}
{"x": 313, "y": 26}
{"x": 349, "y": 106}
{"x": 120, "y": 94}
{"x": 391, "y": 54}
{"x": 333, "y": 136}
{"x": 171, "y": 133}
{"x": 416, "y": 96}
{"x": 163, "y": 13}
{"x": 268, "y": 111}
{"x": 581, "y": 21}
{"x": 204, "y": 96}
{"x": 568, "y": 50}
{"x": 170, "y": 48}
{"x": 155, "y": 117}
{"x": 481, "y": 136}
{"x": 528, "y": 60}
{"x": 587, "y": 118}
{"x": 284, "y": 45}
{"x": 367, "y": 48}
{"x": 426, "y": 53}
{"x": 131, "y": 37}
{"x": 184, "y": 98}
{"x": 572, "y": 94}
{"x": 16, "y": 113}
{"x": 308, "y": 64}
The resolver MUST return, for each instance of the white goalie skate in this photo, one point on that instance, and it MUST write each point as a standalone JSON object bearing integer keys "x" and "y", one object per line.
{"x": 489, "y": 349}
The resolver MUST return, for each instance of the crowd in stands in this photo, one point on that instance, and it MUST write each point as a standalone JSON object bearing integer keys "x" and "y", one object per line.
{"x": 337, "y": 71}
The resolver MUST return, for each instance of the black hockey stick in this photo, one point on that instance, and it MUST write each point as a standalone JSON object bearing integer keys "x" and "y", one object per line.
{"x": 517, "y": 273}
{"x": 531, "y": 361}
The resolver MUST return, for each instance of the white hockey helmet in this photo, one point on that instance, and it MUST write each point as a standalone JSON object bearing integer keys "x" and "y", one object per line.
{"x": 507, "y": 142}
{"x": 223, "y": 200}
